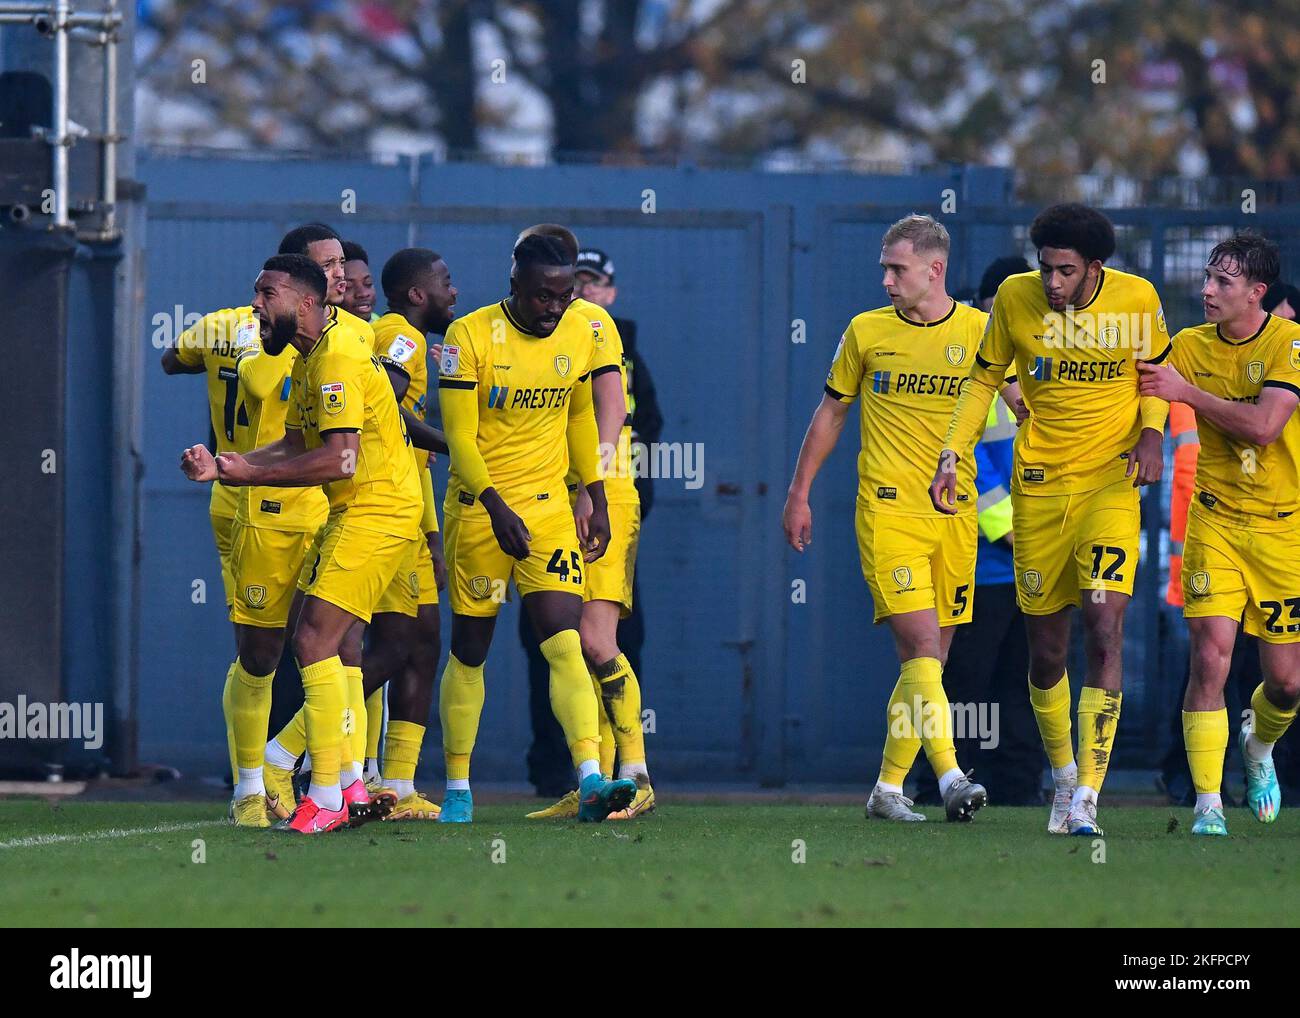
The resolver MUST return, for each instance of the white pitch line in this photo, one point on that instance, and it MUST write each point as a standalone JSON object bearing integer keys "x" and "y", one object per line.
{"x": 113, "y": 832}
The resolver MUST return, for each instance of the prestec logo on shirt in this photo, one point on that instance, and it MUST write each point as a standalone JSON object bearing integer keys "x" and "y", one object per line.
{"x": 505, "y": 397}
{"x": 1048, "y": 369}
{"x": 913, "y": 383}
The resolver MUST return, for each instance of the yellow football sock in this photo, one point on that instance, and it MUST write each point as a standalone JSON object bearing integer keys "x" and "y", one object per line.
{"x": 324, "y": 687}
{"x": 460, "y": 703}
{"x": 293, "y": 736}
{"x": 250, "y": 713}
{"x": 374, "y": 722}
{"x": 1098, "y": 718}
{"x": 1052, "y": 712}
{"x": 901, "y": 741}
{"x": 922, "y": 682}
{"x": 355, "y": 747}
{"x": 573, "y": 700}
{"x": 228, "y": 712}
{"x": 402, "y": 741}
{"x": 620, "y": 695}
{"x": 1271, "y": 722}
{"x": 1205, "y": 734}
{"x": 608, "y": 747}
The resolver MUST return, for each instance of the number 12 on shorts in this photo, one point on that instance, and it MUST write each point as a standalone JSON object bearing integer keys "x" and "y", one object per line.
{"x": 1112, "y": 572}
{"x": 566, "y": 570}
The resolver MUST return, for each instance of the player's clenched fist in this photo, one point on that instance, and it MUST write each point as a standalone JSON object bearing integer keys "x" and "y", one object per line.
{"x": 232, "y": 468}
{"x": 198, "y": 465}
{"x": 796, "y": 521}
{"x": 943, "y": 489}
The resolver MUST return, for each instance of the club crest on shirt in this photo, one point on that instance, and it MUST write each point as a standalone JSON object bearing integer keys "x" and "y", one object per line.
{"x": 449, "y": 364}
{"x": 1200, "y": 583}
{"x": 562, "y": 365}
{"x": 1295, "y": 354}
{"x": 1109, "y": 338}
{"x": 903, "y": 577}
{"x": 333, "y": 397}
{"x": 255, "y": 595}
{"x": 955, "y": 354}
{"x": 480, "y": 586}
{"x": 402, "y": 349}
{"x": 1255, "y": 371}
{"x": 1032, "y": 580}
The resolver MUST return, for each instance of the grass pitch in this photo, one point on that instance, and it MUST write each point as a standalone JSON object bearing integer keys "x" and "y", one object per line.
{"x": 127, "y": 864}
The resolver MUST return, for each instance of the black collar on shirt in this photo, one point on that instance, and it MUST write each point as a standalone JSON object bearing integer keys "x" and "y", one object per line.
{"x": 929, "y": 325}
{"x": 1249, "y": 339}
{"x": 505, "y": 309}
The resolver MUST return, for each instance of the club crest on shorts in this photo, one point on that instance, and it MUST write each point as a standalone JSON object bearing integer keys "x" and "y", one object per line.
{"x": 1200, "y": 583}
{"x": 1295, "y": 354}
{"x": 956, "y": 353}
{"x": 255, "y": 595}
{"x": 1032, "y": 580}
{"x": 333, "y": 397}
{"x": 903, "y": 577}
{"x": 563, "y": 365}
{"x": 1255, "y": 371}
{"x": 480, "y": 585}
{"x": 413, "y": 578}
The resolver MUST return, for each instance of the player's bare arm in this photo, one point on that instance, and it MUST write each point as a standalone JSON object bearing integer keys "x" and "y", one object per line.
{"x": 400, "y": 380}
{"x": 1146, "y": 460}
{"x": 582, "y": 513}
{"x": 598, "y": 528}
{"x": 434, "y": 540}
{"x": 424, "y": 436}
{"x": 508, "y": 528}
{"x": 611, "y": 411}
{"x": 334, "y": 460}
{"x": 173, "y": 365}
{"x": 818, "y": 443}
{"x": 1257, "y": 423}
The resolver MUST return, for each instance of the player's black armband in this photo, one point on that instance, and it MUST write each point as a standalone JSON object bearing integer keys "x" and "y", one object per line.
{"x": 597, "y": 372}
{"x": 394, "y": 366}
{"x": 1164, "y": 356}
{"x": 340, "y": 431}
{"x": 836, "y": 395}
{"x": 1274, "y": 384}
{"x": 456, "y": 383}
{"x": 982, "y": 362}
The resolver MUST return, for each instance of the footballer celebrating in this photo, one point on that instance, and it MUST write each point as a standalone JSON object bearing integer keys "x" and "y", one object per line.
{"x": 343, "y": 431}
{"x": 1240, "y": 372}
{"x": 908, "y": 361}
{"x": 515, "y": 390}
{"x": 1075, "y": 331}
{"x": 607, "y": 593}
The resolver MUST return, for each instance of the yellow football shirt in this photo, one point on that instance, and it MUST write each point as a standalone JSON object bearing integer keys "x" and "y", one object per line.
{"x": 620, "y": 486}
{"x": 1259, "y": 480}
{"x": 341, "y": 386}
{"x": 214, "y": 342}
{"x": 1078, "y": 376}
{"x": 909, "y": 375}
{"x": 524, "y": 385}
{"x": 265, "y": 391}
{"x": 400, "y": 344}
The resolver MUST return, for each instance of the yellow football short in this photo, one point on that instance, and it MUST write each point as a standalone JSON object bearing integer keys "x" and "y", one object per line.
{"x": 609, "y": 578}
{"x": 265, "y": 565}
{"x": 1234, "y": 564}
{"x": 413, "y": 585}
{"x": 353, "y": 567}
{"x": 479, "y": 572}
{"x": 222, "y": 533}
{"x": 1066, "y": 544}
{"x": 912, "y": 563}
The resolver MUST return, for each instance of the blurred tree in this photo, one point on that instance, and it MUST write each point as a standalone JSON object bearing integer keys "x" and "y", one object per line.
{"x": 1142, "y": 88}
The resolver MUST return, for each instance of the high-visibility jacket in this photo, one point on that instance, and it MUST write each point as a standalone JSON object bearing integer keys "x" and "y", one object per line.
{"x": 1187, "y": 445}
